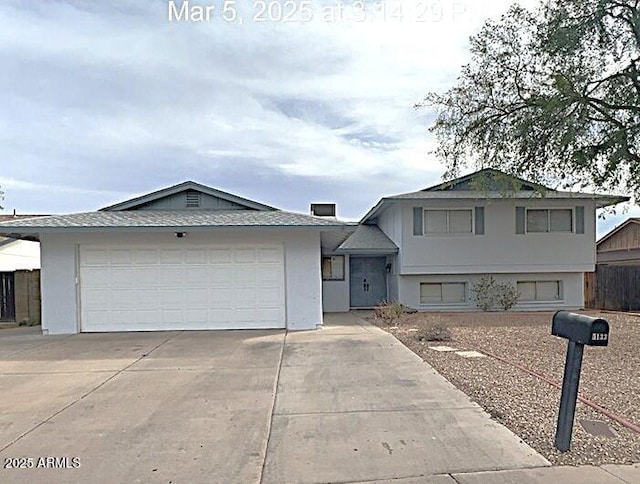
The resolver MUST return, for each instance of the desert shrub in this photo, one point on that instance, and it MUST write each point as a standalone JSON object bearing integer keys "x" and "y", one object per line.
{"x": 389, "y": 312}
{"x": 437, "y": 331}
{"x": 489, "y": 293}
{"x": 484, "y": 292}
{"x": 507, "y": 296}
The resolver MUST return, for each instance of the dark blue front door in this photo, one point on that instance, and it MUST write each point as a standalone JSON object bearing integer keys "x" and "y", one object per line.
{"x": 367, "y": 281}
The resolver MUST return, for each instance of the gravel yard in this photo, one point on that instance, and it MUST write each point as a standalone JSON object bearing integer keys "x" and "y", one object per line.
{"x": 525, "y": 404}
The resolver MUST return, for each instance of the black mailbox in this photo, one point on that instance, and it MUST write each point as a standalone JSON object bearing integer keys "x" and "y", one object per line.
{"x": 580, "y": 328}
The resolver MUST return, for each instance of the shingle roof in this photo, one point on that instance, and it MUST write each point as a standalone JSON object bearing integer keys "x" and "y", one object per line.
{"x": 601, "y": 200}
{"x": 498, "y": 185}
{"x": 10, "y": 216}
{"x": 168, "y": 219}
{"x": 368, "y": 238}
{"x": 478, "y": 194}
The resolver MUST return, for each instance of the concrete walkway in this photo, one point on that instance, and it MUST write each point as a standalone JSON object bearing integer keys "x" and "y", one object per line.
{"x": 347, "y": 403}
{"x": 355, "y": 405}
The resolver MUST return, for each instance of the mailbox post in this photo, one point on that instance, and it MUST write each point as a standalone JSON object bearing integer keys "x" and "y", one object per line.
{"x": 580, "y": 330}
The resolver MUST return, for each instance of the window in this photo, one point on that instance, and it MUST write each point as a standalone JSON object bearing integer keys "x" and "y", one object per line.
{"x": 333, "y": 268}
{"x": 442, "y": 292}
{"x": 539, "y": 290}
{"x": 550, "y": 220}
{"x": 441, "y": 222}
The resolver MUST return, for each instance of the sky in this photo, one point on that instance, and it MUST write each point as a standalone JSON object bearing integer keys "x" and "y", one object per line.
{"x": 288, "y": 103}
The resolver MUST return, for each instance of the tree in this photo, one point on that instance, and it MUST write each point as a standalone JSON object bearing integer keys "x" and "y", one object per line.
{"x": 550, "y": 94}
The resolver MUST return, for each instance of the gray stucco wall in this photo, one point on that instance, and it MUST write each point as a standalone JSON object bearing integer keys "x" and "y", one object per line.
{"x": 335, "y": 294}
{"x": 572, "y": 290}
{"x": 303, "y": 284}
{"x": 500, "y": 249}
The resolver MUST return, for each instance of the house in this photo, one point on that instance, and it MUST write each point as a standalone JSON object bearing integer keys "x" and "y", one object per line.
{"x": 19, "y": 293}
{"x": 427, "y": 248}
{"x": 621, "y": 246}
{"x": 16, "y": 254}
{"x": 184, "y": 257}
{"x": 613, "y": 285}
{"x": 193, "y": 257}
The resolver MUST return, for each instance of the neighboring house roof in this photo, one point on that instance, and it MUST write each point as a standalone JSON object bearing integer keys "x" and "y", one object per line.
{"x": 180, "y": 187}
{"x": 5, "y": 241}
{"x": 19, "y": 255}
{"x": 13, "y": 216}
{"x": 488, "y": 182}
{"x": 368, "y": 239}
{"x": 629, "y": 221}
{"x": 187, "y": 220}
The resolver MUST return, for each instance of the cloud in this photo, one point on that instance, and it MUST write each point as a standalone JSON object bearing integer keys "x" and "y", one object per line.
{"x": 106, "y": 99}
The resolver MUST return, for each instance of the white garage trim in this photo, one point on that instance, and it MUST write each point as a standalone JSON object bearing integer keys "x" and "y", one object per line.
{"x": 181, "y": 286}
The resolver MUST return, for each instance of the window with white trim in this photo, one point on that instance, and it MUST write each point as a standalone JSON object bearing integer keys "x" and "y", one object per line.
{"x": 333, "y": 268}
{"x": 443, "y": 292}
{"x": 443, "y": 222}
{"x": 540, "y": 290}
{"x": 550, "y": 220}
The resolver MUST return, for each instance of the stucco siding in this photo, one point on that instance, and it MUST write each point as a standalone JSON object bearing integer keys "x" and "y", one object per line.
{"x": 58, "y": 284}
{"x": 302, "y": 270}
{"x": 390, "y": 222}
{"x": 572, "y": 290}
{"x": 335, "y": 294}
{"x": 500, "y": 249}
{"x": 303, "y": 280}
{"x": 392, "y": 279}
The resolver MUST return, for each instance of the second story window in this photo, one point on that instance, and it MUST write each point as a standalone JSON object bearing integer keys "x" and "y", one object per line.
{"x": 442, "y": 222}
{"x": 550, "y": 220}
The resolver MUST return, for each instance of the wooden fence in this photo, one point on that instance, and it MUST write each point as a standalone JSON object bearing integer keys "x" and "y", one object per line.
{"x": 615, "y": 288}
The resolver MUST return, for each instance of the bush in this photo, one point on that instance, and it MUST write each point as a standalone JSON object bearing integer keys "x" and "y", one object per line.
{"x": 389, "y": 312}
{"x": 507, "y": 296}
{"x": 484, "y": 292}
{"x": 489, "y": 293}
{"x": 434, "y": 332}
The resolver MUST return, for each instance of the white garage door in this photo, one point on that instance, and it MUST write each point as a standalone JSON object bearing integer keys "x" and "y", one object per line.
{"x": 177, "y": 287}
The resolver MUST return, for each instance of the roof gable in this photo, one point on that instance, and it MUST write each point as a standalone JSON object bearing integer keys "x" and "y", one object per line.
{"x": 488, "y": 179}
{"x": 488, "y": 184}
{"x": 618, "y": 229}
{"x": 188, "y": 195}
{"x": 368, "y": 239}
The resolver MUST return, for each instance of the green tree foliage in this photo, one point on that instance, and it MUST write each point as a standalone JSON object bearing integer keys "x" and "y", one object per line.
{"x": 551, "y": 94}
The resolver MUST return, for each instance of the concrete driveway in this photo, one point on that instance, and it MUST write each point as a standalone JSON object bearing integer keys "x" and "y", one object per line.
{"x": 352, "y": 404}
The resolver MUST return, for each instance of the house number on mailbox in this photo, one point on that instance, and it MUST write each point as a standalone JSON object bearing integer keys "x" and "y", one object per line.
{"x": 599, "y": 336}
